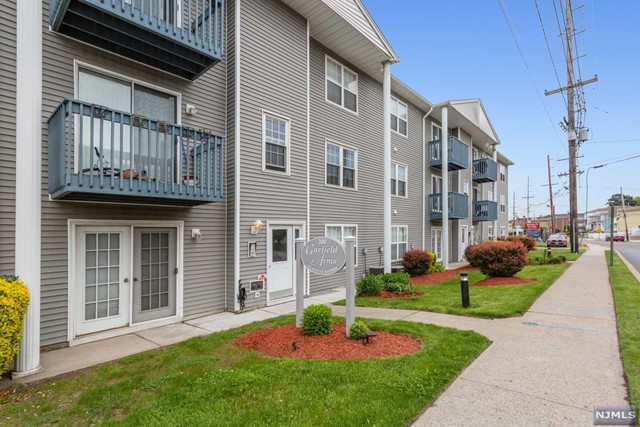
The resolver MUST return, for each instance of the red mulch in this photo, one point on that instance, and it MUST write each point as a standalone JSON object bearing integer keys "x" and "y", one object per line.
{"x": 437, "y": 278}
{"x": 277, "y": 342}
{"x": 502, "y": 281}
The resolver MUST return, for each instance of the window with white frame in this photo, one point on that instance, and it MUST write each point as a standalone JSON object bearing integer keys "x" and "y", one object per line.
{"x": 503, "y": 204}
{"x": 503, "y": 231}
{"x": 341, "y": 166}
{"x": 436, "y": 135}
{"x": 490, "y": 195}
{"x": 399, "y": 116}
{"x": 398, "y": 180}
{"x": 465, "y": 187}
{"x": 276, "y": 142}
{"x": 398, "y": 242}
{"x": 503, "y": 173}
{"x": 342, "y": 85}
{"x": 490, "y": 232}
{"x": 339, "y": 232}
{"x": 436, "y": 242}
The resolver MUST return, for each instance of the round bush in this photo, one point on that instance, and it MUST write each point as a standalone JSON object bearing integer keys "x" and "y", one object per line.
{"x": 358, "y": 330}
{"x": 316, "y": 320}
{"x": 528, "y": 242}
{"x": 369, "y": 285}
{"x": 396, "y": 278}
{"x": 497, "y": 259}
{"x": 14, "y": 300}
{"x": 416, "y": 262}
{"x": 436, "y": 268}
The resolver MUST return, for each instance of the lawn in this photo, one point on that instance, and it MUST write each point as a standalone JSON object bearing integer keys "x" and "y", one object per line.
{"x": 541, "y": 253}
{"x": 211, "y": 381}
{"x": 488, "y": 301}
{"x": 626, "y": 295}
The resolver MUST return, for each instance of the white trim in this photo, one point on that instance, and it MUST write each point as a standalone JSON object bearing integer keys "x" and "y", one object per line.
{"x": 397, "y": 243}
{"x": 386, "y": 165}
{"x": 433, "y": 249}
{"x": 327, "y": 142}
{"x": 293, "y": 225}
{"x": 308, "y": 223}
{"x": 394, "y": 165}
{"x": 326, "y": 92}
{"x": 397, "y": 132}
{"x": 236, "y": 219}
{"x": 433, "y": 138}
{"x": 72, "y": 224}
{"x": 287, "y": 142}
{"x": 342, "y": 225}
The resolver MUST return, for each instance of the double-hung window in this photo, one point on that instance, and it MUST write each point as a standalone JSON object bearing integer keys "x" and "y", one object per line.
{"x": 399, "y": 116}
{"x": 490, "y": 232}
{"x": 436, "y": 135}
{"x": 342, "y": 85}
{"x": 503, "y": 173}
{"x": 503, "y": 231}
{"x": 276, "y": 142}
{"x": 398, "y": 180}
{"x": 503, "y": 204}
{"x": 339, "y": 232}
{"x": 341, "y": 166}
{"x": 398, "y": 242}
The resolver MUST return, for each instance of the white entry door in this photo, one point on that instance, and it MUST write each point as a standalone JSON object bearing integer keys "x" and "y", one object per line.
{"x": 102, "y": 285}
{"x": 280, "y": 262}
{"x": 464, "y": 239}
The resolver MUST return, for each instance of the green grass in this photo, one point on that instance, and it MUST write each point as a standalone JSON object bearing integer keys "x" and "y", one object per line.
{"x": 489, "y": 301}
{"x": 211, "y": 381}
{"x": 626, "y": 294}
{"x": 541, "y": 253}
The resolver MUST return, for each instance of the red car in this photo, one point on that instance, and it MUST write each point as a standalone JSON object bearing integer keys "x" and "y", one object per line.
{"x": 617, "y": 238}
{"x": 557, "y": 241}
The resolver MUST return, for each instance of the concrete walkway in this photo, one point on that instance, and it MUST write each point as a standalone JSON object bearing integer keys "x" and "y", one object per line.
{"x": 547, "y": 368}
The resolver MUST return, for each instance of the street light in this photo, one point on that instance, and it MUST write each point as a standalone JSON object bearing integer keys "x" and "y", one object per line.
{"x": 586, "y": 208}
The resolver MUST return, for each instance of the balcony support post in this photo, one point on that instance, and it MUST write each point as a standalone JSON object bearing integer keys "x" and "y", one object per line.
{"x": 444, "y": 144}
{"x": 386, "y": 148}
{"x": 495, "y": 196}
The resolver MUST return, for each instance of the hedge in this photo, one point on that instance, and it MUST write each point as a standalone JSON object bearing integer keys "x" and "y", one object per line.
{"x": 14, "y": 300}
{"x": 499, "y": 259}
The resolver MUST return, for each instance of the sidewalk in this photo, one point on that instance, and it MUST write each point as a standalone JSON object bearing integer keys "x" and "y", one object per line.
{"x": 547, "y": 368}
{"x": 82, "y": 356}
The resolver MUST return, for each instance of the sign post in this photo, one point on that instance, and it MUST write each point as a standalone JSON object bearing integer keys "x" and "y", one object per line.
{"x": 351, "y": 287}
{"x": 299, "y": 282}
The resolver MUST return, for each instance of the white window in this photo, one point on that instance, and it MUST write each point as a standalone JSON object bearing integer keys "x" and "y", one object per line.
{"x": 341, "y": 85}
{"x": 503, "y": 231}
{"x": 490, "y": 195}
{"x": 490, "y": 233}
{"x": 436, "y": 135}
{"x": 275, "y": 137}
{"x": 465, "y": 187}
{"x": 339, "y": 232}
{"x": 341, "y": 166}
{"x": 398, "y": 242}
{"x": 398, "y": 180}
{"x": 399, "y": 116}
{"x": 503, "y": 173}
{"x": 436, "y": 242}
{"x": 503, "y": 204}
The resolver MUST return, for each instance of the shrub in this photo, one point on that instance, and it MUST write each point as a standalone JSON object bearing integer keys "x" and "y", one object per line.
{"x": 497, "y": 259}
{"x": 358, "y": 330}
{"x": 14, "y": 300}
{"x": 416, "y": 262}
{"x": 395, "y": 278}
{"x": 369, "y": 285}
{"x": 528, "y": 242}
{"x": 398, "y": 288}
{"x": 555, "y": 260}
{"x": 436, "y": 268}
{"x": 316, "y": 320}
{"x": 536, "y": 260}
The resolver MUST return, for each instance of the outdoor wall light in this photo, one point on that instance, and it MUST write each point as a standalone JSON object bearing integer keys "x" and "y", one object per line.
{"x": 256, "y": 226}
{"x": 196, "y": 234}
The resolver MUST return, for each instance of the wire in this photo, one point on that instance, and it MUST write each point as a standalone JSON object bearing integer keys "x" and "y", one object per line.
{"x": 614, "y": 160}
{"x": 614, "y": 141}
{"x": 515, "y": 39}
{"x": 555, "y": 70}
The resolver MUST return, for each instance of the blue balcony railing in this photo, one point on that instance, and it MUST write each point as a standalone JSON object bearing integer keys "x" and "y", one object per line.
{"x": 485, "y": 170}
{"x": 101, "y": 154}
{"x": 182, "y": 37}
{"x": 458, "y": 206}
{"x": 485, "y": 210}
{"x": 458, "y": 154}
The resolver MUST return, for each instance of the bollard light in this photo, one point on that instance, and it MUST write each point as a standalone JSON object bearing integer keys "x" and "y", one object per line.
{"x": 549, "y": 252}
{"x": 464, "y": 289}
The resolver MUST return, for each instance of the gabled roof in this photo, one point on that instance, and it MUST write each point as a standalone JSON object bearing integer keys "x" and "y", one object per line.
{"x": 346, "y": 28}
{"x": 474, "y": 110}
{"x": 504, "y": 160}
{"x": 470, "y": 115}
{"x": 401, "y": 89}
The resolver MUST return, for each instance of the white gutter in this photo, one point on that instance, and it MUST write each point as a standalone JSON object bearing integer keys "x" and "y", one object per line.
{"x": 236, "y": 201}
{"x": 444, "y": 156}
{"x": 308, "y": 227}
{"x": 424, "y": 178}
{"x": 386, "y": 148}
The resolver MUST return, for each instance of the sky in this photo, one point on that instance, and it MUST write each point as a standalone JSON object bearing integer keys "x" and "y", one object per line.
{"x": 461, "y": 49}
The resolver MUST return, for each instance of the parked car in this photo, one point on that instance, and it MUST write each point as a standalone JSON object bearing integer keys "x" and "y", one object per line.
{"x": 616, "y": 238}
{"x": 557, "y": 241}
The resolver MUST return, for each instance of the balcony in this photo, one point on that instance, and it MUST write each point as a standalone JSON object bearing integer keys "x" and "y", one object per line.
{"x": 98, "y": 154}
{"x": 181, "y": 37}
{"x": 485, "y": 170}
{"x": 458, "y": 206}
{"x": 485, "y": 210}
{"x": 458, "y": 154}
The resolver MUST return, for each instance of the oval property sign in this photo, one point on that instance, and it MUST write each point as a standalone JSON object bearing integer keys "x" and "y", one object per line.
{"x": 324, "y": 256}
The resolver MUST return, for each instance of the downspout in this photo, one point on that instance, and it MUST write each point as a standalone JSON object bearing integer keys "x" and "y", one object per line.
{"x": 424, "y": 178}
{"x": 444, "y": 149}
{"x": 386, "y": 148}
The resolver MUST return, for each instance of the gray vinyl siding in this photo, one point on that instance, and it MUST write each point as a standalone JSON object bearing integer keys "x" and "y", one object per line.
{"x": 204, "y": 273}
{"x": 408, "y": 151}
{"x": 8, "y": 137}
{"x": 363, "y": 132}
{"x": 230, "y": 157}
{"x": 273, "y": 79}
{"x": 503, "y": 189}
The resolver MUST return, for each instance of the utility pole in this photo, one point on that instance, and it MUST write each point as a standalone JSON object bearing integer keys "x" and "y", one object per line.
{"x": 571, "y": 126}
{"x": 624, "y": 213}
{"x": 528, "y": 197}
{"x": 553, "y": 213}
{"x": 514, "y": 213}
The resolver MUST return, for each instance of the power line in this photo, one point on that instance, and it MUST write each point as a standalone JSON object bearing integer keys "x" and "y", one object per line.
{"x": 614, "y": 141}
{"x": 614, "y": 160}
{"x": 515, "y": 39}
{"x": 544, "y": 33}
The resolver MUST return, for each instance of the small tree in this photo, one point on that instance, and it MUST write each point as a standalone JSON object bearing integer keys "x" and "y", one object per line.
{"x": 416, "y": 262}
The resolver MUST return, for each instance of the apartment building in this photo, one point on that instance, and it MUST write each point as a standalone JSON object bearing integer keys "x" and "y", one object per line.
{"x": 160, "y": 158}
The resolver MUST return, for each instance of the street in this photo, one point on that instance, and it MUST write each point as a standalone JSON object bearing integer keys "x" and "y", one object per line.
{"x": 630, "y": 250}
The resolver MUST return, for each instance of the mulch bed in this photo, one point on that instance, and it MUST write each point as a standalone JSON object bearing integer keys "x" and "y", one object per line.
{"x": 437, "y": 278}
{"x": 388, "y": 294}
{"x": 503, "y": 281}
{"x": 277, "y": 342}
